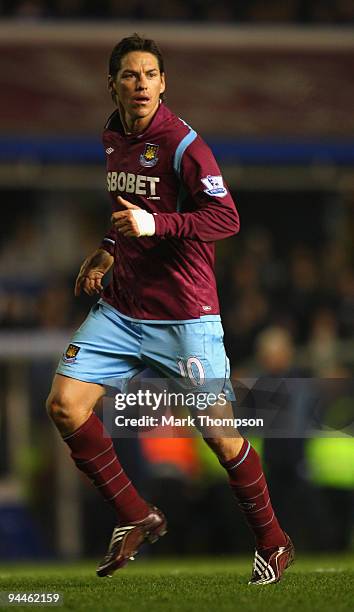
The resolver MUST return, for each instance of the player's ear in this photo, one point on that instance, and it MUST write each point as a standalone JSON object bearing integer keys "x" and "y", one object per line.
{"x": 163, "y": 83}
{"x": 111, "y": 87}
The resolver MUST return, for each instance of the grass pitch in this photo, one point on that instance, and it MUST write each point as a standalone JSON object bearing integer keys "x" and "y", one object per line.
{"x": 311, "y": 584}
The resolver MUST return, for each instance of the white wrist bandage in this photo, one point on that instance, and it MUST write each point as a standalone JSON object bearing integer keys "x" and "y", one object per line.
{"x": 145, "y": 222}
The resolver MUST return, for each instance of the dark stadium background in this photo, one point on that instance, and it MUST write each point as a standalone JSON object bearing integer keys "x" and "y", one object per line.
{"x": 271, "y": 90}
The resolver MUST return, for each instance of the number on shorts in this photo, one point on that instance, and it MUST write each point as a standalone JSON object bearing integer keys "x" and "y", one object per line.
{"x": 187, "y": 370}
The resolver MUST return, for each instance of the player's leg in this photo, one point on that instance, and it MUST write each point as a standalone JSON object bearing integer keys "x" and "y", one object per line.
{"x": 274, "y": 549}
{"x": 248, "y": 483}
{"x": 102, "y": 349}
{"x": 70, "y": 405}
{"x": 225, "y": 448}
{"x": 246, "y": 477}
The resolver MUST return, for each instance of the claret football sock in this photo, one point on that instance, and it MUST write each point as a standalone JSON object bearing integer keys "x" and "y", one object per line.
{"x": 250, "y": 488}
{"x": 93, "y": 453}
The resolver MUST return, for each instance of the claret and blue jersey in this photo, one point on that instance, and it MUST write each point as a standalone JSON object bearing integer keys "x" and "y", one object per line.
{"x": 169, "y": 171}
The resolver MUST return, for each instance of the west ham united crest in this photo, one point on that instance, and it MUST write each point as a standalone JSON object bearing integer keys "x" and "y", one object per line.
{"x": 149, "y": 157}
{"x": 71, "y": 353}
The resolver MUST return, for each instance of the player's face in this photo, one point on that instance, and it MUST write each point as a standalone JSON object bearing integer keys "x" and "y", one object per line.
{"x": 138, "y": 85}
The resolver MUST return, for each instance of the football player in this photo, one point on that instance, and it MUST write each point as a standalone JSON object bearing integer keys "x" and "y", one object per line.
{"x": 170, "y": 204}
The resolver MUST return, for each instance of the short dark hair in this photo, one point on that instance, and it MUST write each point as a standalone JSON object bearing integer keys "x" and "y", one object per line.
{"x": 133, "y": 43}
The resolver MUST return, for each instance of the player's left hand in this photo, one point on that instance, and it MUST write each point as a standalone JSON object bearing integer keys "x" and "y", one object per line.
{"x": 133, "y": 221}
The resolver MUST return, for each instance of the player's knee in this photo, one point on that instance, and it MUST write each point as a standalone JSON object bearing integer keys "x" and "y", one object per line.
{"x": 60, "y": 408}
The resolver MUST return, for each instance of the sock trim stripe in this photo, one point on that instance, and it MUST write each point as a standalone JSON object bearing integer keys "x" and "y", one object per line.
{"x": 119, "y": 492}
{"x": 243, "y": 458}
{"x": 74, "y": 433}
{"x": 247, "y": 485}
{"x": 96, "y": 457}
{"x": 104, "y": 467}
{"x": 255, "y": 496}
{"x": 264, "y": 524}
{"x": 98, "y": 486}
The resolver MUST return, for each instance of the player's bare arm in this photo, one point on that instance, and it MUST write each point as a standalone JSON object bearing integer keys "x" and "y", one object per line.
{"x": 92, "y": 272}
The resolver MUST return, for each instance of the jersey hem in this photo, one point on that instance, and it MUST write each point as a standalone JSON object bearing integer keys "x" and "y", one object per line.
{"x": 201, "y": 319}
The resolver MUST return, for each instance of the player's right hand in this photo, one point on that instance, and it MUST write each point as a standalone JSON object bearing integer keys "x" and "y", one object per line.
{"x": 92, "y": 271}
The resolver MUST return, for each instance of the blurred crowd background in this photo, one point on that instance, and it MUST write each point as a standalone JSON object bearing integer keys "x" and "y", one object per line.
{"x": 278, "y": 114}
{"x": 297, "y": 11}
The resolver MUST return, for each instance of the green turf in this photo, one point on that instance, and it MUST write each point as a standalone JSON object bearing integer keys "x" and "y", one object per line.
{"x": 312, "y": 584}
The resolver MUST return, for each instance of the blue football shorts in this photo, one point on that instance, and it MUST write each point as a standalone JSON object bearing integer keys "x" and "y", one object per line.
{"x": 110, "y": 346}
